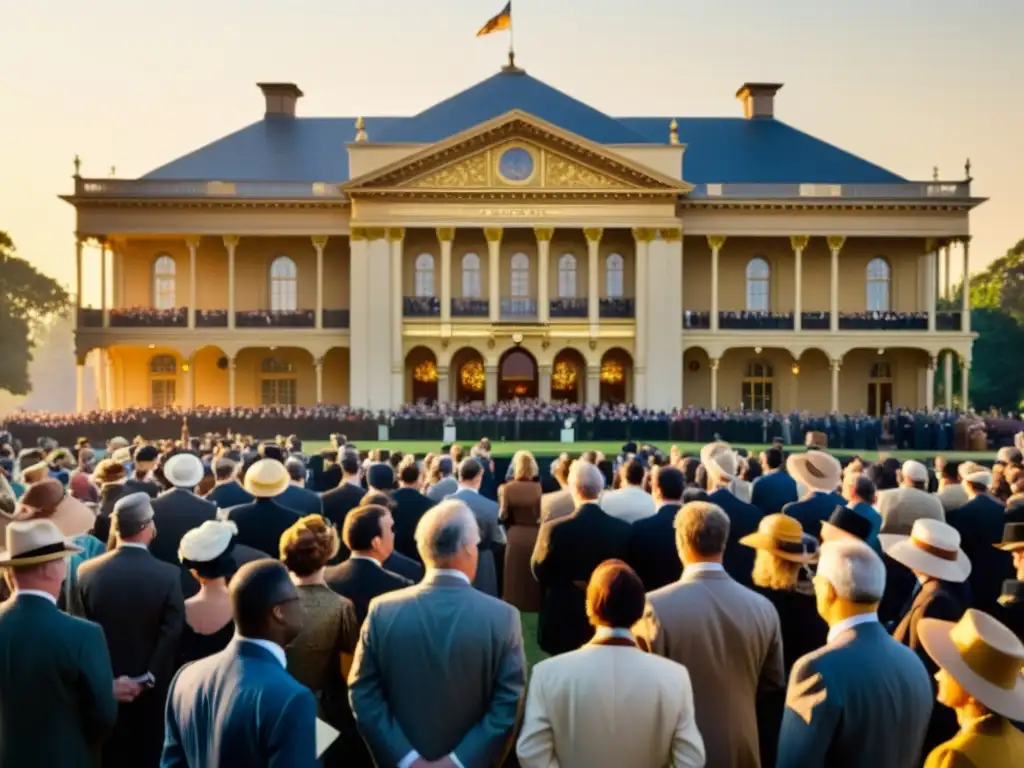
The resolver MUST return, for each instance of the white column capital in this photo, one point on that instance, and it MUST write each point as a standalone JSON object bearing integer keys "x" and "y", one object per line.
{"x": 493, "y": 234}
{"x": 644, "y": 234}
{"x": 544, "y": 234}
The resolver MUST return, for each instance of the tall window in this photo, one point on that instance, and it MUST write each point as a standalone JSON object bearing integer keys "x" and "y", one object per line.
{"x": 471, "y": 276}
{"x": 567, "y": 276}
{"x": 757, "y": 386}
{"x": 880, "y": 389}
{"x": 284, "y": 285}
{"x": 163, "y": 374}
{"x": 520, "y": 276}
{"x": 614, "y": 280}
{"x": 424, "y": 270}
{"x": 758, "y": 276}
{"x": 878, "y": 285}
{"x": 163, "y": 282}
{"x": 278, "y": 382}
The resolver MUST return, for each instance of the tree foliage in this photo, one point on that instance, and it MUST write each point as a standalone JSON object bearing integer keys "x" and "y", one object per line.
{"x": 28, "y": 299}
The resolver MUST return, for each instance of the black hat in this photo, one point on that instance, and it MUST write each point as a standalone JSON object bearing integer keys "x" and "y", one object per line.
{"x": 380, "y": 476}
{"x": 147, "y": 453}
{"x": 854, "y": 523}
{"x": 1013, "y": 537}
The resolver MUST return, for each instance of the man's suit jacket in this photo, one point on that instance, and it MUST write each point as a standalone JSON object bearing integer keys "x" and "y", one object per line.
{"x": 228, "y": 495}
{"x": 652, "y": 548}
{"x": 900, "y": 507}
{"x": 628, "y": 503}
{"x": 555, "y": 505}
{"x": 409, "y": 646}
{"x": 405, "y": 567}
{"x": 492, "y": 537}
{"x": 261, "y": 523}
{"x": 337, "y": 503}
{"x": 302, "y": 500}
{"x": 175, "y": 513}
{"x": 953, "y": 497}
{"x": 360, "y": 581}
{"x": 445, "y": 488}
{"x": 814, "y": 510}
{"x": 862, "y": 701}
{"x": 728, "y": 638}
{"x": 409, "y": 506}
{"x": 990, "y": 740}
{"x": 56, "y": 684}
{"x": 239, "y": 707}
{"x": 743, "y": 520}
{"x": 567, "y": 552}
{"x": 609, "y": 705}
{"x": 148, "y": 487}
{"x": 771, "y": 492}
{"x": 980, "y": 523}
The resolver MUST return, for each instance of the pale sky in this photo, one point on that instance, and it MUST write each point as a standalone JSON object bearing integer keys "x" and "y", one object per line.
{"x": 909, "y": 84}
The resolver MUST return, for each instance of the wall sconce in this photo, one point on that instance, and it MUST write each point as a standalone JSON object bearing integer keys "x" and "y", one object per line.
{"x": 796, "y": 369}
{"x": 184, "y": 367}
{"x": 881, "y": 351}
{"x": 757, "y": 350}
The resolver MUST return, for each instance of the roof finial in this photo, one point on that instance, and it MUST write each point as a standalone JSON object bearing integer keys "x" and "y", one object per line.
{"x": 113, "y": 172}
{"x": 78, "y": 166}
{"x": 673, "y": 132}
{"x": 361, "y": 130}
{"x": 935, "y": 173}
{"x": 967, "y": 170}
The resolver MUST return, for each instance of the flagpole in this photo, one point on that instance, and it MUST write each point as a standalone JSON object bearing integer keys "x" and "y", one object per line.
{"x": 511, "y": 37}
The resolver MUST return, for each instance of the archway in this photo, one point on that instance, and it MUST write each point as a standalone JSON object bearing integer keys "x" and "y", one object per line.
{"x": 468, "y": 378}
{"x": 568, "y": 377}
{"x": 421, "y": 376}
{"x": 517, "y": 375}
{"x": 616, "y": 376}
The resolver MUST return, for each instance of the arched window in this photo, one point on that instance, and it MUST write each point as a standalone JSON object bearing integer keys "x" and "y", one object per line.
{"x": 567, "y": 276}
{"x": 614, "y": 280}
{"x": 520, "y": 276}
{"x": 878, "y": 285}
{"x": 163, "y": 375}
{"x": 424, "y": 269}
{"x": 471, "y": 276}
{"x": 278, "y": 382}
{"x": 284, "y": 285}
{"x": 164, "y": 282}
{"x": 758, "y": 277}
{"x": 756, "y": 394}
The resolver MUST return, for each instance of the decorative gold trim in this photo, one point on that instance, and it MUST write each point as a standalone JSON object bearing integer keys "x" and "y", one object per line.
{"x": 673, "y": 132}
{"x": 715, "y": 242}
{"x": 445, "y": 234}
{"x": 376, "y": 233}
{"x": 357, "y": 233}
{"x": 593, "y": 234}
{"x": 230, "y": 241}
{"x": 493, "y": 234}
{"x": 644, "y": 234}
{"x": 672, "y": 234}
{"x": 361, "y": 130}
{"x": 192, "y": 241}
{"x": 395, "y": 234}
{"x": 544, "y": 234}
{"x": 319, "y": 241}
{"x": 799, "y": 242}
{"x": 836, "y": 242}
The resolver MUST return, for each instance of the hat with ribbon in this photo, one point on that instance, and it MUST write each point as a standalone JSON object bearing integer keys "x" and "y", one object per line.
{"x": 31, "y": 542}
{"x": 784, "y": 537}
{"x": 49, "y": 500}
{"x": 1013, "y": 537}
{"x": 818, "y": 470}
{"x": 721, "y": 460}
{"x": 932, "y": 548}
{"x": 266, "y": 479}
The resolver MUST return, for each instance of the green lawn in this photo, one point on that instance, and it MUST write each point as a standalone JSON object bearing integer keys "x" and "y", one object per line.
{"x": 533, "y": 651}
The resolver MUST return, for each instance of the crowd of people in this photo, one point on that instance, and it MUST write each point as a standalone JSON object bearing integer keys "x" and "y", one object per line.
{"x": 224, "y": 601}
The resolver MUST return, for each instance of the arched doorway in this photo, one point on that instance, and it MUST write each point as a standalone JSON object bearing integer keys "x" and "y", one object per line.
{"x": 421, "y": 375}
{"x": 469, "y": 381}
{"x": 517, "y": 375}
{"x": 568, "y": 377}
{"x": 879, "y": 388}
{"x": 615, "y": 376}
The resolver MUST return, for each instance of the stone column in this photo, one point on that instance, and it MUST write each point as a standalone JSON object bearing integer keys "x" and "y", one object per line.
{"x": 642, "y": 239}
{"x": 190, "y": 382}
{"x": 593, "y": 384}
{"x": 931, "y": 261}
{"x": 396, "y": 236}
{"x": 714, "y": 361}
{"x": 965, "y": 382}
{"x": 491, "y": 383}
{"x": 948, "y": 292}
{"x": 965, "y": 309}
{"x": 593, "y": 235}
{"x": 103, "y": 284}
{"x": 193, "y": 246}
{"x": 78, "y": 275}
{"x": 319, "y": 242}
{"x": 231, "y": 243}
{"x": 799, "y": 243}
{"x": 318, "y": 364}
{"x": 359, "y": 343}
{"x": 108, "y": 382}
{"x": 493, "y": 235}
{"x": 444, "y": 386}
{"x": 544, "y": 382}
{"x": 929, "y": 381}
{"x": 715, "y": 242}
{"x": 231, "y": 381}
{"x": 836, "y": 365}
{"x": 79, "y": 382}
{"x": 445, "y": 236}
{"x": 544, "y": 235}
{"x": 835, "y": 245}
{"x": 947, "y": 384}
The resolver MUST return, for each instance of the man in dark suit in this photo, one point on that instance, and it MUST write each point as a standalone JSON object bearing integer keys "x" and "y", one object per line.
{"x": 980, "y": 523}
{"x": 144, "y": 462}
{"x": 137, "y": 601}
{"x": 297, "y": 497}
{"x": 261, "y": 522}
{"x": 821, "y": 473}
{"x": 409, "y": 506}
{"x": 228, "y": 492}
{"x": 774, "y": 489}
{"x": 55, "y": 678}
{"x": 492, "y": 535}
{"x": 369, "y": 534}
{"x": 652, "y": 544}
{"x": 348, "y": 495}
{"x": 722, "y": 465}
{"x": 241, "y": 706}
{"x": 567, "y": 552}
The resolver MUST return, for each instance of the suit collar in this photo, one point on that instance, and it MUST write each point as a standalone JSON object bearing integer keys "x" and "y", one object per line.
{"x": 716, "y": 574}
{"x": 669, "y": 508}
{"x": 590, "y": 508}
{"x": 34, "y": 597}
{"x": 259, "y": 649}
{"x": 623, "y": 642}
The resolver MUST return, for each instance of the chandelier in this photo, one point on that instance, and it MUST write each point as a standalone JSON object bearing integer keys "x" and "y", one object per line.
{"x": 612, "y": 372}
{"x": 563, "y": 376}
{"x": 472, "y": 376}
{"x": 425, "y": 372}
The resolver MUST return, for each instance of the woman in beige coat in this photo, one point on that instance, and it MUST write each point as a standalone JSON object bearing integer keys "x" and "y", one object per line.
{"x": 519, "y": 510}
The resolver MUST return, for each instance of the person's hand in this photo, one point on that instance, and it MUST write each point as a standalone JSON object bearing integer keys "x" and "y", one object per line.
{"x": 125, "y": 690}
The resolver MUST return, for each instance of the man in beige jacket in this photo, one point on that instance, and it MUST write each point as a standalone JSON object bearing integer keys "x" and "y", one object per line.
{"x": 609, "y": 703}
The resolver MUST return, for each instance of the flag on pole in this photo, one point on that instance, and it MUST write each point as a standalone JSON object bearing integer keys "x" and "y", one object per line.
{"x": 501, "y": 21}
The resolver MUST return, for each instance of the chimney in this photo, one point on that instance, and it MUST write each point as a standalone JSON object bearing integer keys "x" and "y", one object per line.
{"x": 758, "y": 99}
{"x": 281, "y": 98}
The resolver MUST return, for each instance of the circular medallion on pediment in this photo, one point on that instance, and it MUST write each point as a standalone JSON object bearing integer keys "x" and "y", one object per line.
{"x": 516, "y": 165}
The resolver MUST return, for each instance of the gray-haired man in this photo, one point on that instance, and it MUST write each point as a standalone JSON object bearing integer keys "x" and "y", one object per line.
{"x": 445, "y": 643}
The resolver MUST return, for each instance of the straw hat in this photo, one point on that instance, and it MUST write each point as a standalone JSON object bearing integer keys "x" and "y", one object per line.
{"x": 967, "y": 468}
{"x": 818, "y": 470}
{"x": 983, "y": 656}
{"x": 932, "y": 548}
{"x": 122, "y": 455}
{"x": 721, "y": 460}
{"x": 1013, "y": 537}
{"x": 31, "y": 542}
{"x": 109, "y": 471}
{"x": 184, "y": 470}
{"x": 48, "y": 500}
{"x": 782, "y": 536}
{"x": 266, "y": 478}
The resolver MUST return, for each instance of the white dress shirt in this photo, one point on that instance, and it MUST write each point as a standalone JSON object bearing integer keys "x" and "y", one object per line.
{"x": 604, "y": 633}
{"x": 274, "y": 648}
{"x": 850, "y": 623}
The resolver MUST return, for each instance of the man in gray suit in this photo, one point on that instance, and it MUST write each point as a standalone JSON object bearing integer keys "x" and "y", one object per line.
{"x": 447, "y": 485}
{"x": 864, "y": 700}
{"x": 439, "y": 670}
{"x": 492, "y": 535}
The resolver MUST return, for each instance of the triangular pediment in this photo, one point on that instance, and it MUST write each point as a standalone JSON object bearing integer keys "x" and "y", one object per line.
{"x": 516, "y": 153}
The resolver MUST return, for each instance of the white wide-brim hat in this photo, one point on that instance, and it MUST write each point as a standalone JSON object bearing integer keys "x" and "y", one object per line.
{"x": 720, "y": 459}
{"x": 932, "y": 548}
{"x": 818, "y": 470}
{"x": 266, "y": 478}
{"x": 184, "y": 470}
{"x": 31, "y": 542}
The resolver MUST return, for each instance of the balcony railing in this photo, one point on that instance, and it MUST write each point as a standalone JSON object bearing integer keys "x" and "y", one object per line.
{"x": 755, "y": 321}
{"x": 269, "y": 318}
{"x": 516, "y": 308}
{"x": 914, "y": 190}
{"x": 819, "y": 321}
{"x": 211, "y": 318}
{"x": 421, "y": 306}
{"x": 948, "y": 321}
{"x": 335, "y": 318}
{"x": 88, "y": 317}
{"x": 617, "y": 309}
{"x": 128, "y": 188}
{"x": 815, "y": 321}
{"x": 145, "y": 317}
{"x": 563, "y": 308}
{"x": 470, "y": 308}
{"x": 873, "y": 321}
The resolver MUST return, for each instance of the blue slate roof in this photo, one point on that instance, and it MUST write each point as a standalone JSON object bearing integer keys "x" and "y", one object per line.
{"x": 719, "y": 150}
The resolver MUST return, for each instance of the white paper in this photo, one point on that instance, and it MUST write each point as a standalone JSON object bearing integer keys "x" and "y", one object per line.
{"x": 325, "y": 736}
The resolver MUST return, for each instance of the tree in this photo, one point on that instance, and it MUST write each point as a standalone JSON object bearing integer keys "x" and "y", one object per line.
{"x": 28, "y": 299}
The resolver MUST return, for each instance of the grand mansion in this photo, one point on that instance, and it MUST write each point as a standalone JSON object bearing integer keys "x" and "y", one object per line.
{"x": 512, "y": 241}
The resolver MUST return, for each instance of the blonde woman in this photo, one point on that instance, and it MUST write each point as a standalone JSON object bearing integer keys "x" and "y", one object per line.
{"x": 519, "y": 510}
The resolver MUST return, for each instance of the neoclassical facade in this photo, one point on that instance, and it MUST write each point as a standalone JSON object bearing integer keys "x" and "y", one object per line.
{"x": 512, "y": 241}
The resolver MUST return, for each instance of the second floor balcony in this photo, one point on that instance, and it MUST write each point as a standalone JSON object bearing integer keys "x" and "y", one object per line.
{"x": 619, "y": 308}
{"x": 471, "y": 308}
{"x": 421, "y": 306}
{"x": 145, "y": 317}
{"x": 568, "y": 308}
{"x": 270, "y": 318}
{"x": 515, "y": 308}
{"x": 820, "y": 321}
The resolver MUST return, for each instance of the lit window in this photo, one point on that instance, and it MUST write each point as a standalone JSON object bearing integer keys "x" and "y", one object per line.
{"x": 614, "y": 276}
{"x": 520, "y": 276}
{"x": 424, "y": 275}
{"x": 567, "y": 276}
{"x": 878, "y": 285}
{"x": 758, "y": 277}
{"x": 284, "y": 285}
{"x": 164, "y": 282}
{"x": 471, "y": 288}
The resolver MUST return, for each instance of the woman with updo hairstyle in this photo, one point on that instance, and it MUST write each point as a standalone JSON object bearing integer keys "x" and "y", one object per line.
{"x": 519, "y": 510}
{"x": 207, "y": 552}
